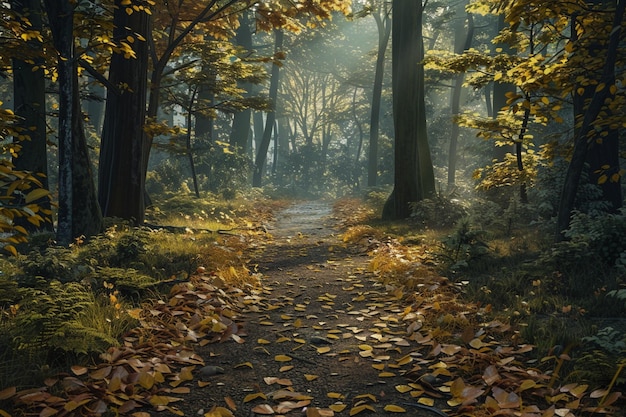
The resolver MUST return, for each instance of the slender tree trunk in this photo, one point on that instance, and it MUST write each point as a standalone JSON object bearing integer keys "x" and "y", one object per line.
{"x": 122, "y": 156}
{"x": 584, "y": 138}
{"x": 261, "y": 156}
{"x": 500, "y": 90}
{"x": 463, "y": 41}
{"x": 30, "y": 107}
{"x": 384, "y": 30}
{"x": 414, "y": 178}
{"x": 241, "y": 120}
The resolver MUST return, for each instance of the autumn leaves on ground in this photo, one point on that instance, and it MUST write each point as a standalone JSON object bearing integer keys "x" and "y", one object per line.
{"x": 317, "y": 314}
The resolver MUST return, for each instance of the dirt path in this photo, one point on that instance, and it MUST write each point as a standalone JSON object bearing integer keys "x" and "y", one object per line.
{"x": 321, "y": 330}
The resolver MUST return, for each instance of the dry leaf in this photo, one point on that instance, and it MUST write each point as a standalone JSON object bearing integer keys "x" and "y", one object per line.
{"x": 282, "y": 358}
{"x": 264, "y": 409}
{"x": 394, "y": 409}
{"x": 310, "y": 377}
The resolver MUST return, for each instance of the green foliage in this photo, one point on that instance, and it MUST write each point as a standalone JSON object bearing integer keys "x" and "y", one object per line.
{"x": 601, "y": 356}
{"x": 604, "y": 235}
{"x": 438, "y": 212}
{"x": 463, "y": 247}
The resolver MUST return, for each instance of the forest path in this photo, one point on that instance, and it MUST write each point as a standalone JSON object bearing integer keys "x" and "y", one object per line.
{"x": 321, "y": 326}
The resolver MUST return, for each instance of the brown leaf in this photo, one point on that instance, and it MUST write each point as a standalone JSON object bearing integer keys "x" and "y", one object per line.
{"x": 230, "y": 403}
{"x": 264, "y": 409}
{"x": 491, "y": 375}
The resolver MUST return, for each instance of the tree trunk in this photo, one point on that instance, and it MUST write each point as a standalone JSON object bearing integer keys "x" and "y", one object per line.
{"x": 261, "y": 156}
{"x": 414, "y": 177}
{"x": 384, "y": 30}
{"x": 79, "y": 213}
{"x": 30, "y": 108}
{"x": 122, "y": 156}
{"x": 500, "y": 90}
{"x": 462, "y": 41}
{"x": 585, "y": 138}
{"x": 241, "y": 120}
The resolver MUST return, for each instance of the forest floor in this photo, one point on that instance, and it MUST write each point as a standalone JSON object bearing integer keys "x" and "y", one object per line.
{"x": 322, "y": 334}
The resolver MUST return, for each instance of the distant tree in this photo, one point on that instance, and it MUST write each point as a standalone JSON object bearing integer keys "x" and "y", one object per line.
{"x": 414, "y": 178}
{"x": 462, "y": 41}
{"x": 382, "y": 17}
{"x": 270, "y": 118}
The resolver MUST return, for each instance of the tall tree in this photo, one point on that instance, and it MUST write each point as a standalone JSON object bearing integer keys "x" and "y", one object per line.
{"x": 462, "y": 42}
{"x": 261, "y": 155}
{"x": 589, "y": 142}
{"x": 382, "y": 16}
{"x": 414, "y": 178}
{"x": 121, "y": 178}
{"x": 29, "y": 95}
{"x": 79, "y": 212}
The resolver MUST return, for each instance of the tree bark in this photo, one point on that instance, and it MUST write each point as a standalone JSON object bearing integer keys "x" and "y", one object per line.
{"x": 261, "y": 156}
{"x": 383, "y": 24}
{"x": 584, "y": 139}
{"x": 29, "y": 97}
{"x": 122, "y": 156}
{"x": 414, "y": 178}
{"x": 79, "y": 213}
{"x": 463, "y": 41}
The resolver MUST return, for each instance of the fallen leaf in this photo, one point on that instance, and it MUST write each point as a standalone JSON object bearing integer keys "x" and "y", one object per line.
{"x": 394, "y": 409}
{"x": 230, "y": 403}
{"x": 254, "y": 396}
{"x": 244, "y": 364}
{"x": 337, "y": 407}
{"x": 282, "y": 358}
{"x": 310, "y": 377}
{"x": 264, "y": 409}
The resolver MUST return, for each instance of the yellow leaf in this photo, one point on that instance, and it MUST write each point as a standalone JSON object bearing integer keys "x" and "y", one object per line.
{"x": 241, "y": 365}
{"x": 129, "y": 10}
{"x": 263, "y": 342}
{"x": 403, "y": 388}
{"x": 497, "y": 76}
{"x": 282, "y": 358}
{"x": 600, "y": 87}
{"x": 603, "y": 178}
{"x": 386, "y": 375}
{"x": 338, "y": 408}
{"x": 394, "y": 409}
{"x": 36, "y": 195}
{"x": 545, "y": 100}
{"x": 335, "y": 395}
{"x": 360, "y": 408}
{"x": 286, "y": 368}
{"x": 254, "y": 396}
{"x": 370, "y": 396}
{"x": 11, "y": 248}
{"x": 310, "y": 377}
{"x": 323, "y": 349}
{"x": 426, "y": 401}
{"x": 365, "y": 347}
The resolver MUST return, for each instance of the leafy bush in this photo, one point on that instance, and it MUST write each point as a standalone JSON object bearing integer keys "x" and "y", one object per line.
{"x": 463, "y": 247}
{"x": 438, "y": 212}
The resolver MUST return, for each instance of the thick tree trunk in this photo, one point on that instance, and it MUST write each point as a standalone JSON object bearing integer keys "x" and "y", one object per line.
{"x": 122, "y": 156}
{"x": 585, "y": 137}
{"x": 261, "y": 156}
{"x": 79, "y": 213}
{"x": 30, "y": 107}
{"x": 383, "y": 22}
{"x": 414, "y": 177}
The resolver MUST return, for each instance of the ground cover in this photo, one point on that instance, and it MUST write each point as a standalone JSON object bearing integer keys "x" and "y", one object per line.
{"x": 321, "y": 321}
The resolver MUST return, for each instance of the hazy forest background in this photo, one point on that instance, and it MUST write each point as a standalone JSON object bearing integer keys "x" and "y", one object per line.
{"x": 493, "y": 130}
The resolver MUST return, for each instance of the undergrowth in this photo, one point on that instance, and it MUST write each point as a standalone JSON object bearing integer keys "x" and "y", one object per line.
{"x": 61, "y": 306}
{"x": 565, "y": 298}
